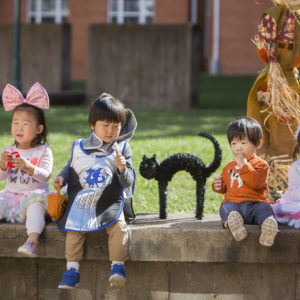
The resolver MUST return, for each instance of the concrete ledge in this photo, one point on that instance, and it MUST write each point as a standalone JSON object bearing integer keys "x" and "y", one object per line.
{"x": 180, "y": 238}
{"x": 178, "y": 258}
{"x": 183, "y": 238}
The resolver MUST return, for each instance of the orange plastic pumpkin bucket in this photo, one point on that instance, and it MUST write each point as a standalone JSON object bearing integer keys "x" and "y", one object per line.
{"x": 56, "y": 204}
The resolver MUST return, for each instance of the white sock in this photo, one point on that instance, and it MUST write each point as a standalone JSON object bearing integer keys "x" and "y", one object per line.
{"x": 73, "y": 264}
{"x": 272, "y": 218}
{"x": 117, "y": 262}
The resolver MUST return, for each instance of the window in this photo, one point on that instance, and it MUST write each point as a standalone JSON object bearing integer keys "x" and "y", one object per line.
{"x": 130, "y": 11}
{"x": 47, "y": 11}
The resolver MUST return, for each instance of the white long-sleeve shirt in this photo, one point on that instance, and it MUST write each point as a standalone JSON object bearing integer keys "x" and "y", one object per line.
{"x": 290, "y": 201}
{"x": 18, "y": 181}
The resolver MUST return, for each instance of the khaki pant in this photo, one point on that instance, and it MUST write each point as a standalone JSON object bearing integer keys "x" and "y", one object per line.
{"x": 117, "y": 242}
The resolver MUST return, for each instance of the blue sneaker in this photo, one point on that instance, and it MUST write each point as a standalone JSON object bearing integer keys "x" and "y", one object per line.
{"x": 70, "y": 279}
{"x": 117, "y": 276}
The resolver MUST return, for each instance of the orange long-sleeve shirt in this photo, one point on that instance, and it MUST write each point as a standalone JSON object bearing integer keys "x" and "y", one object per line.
{"x": 248, "y": 183}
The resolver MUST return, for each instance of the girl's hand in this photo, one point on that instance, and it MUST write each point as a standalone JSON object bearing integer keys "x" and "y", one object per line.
{"x": 5, "y": 158}
{"x": 57, "y": 182}
{"x": 23, "y": 164}
{"x": 217, "y": 184}
{"x": 120, "y": 162}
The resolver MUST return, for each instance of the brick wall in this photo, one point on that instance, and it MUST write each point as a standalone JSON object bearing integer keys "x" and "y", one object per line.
{"x": 7, "y": 11}
{"x": 80, "y": 17}
{"x": 172, "y": 11}
{"x": 239, "y": 20}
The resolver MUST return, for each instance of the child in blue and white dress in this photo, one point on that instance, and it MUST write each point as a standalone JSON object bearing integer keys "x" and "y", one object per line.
{"x": 99, "y": 175}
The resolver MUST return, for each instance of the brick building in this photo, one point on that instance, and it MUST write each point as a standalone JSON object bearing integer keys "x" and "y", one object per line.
{"x": 227, "y": 26}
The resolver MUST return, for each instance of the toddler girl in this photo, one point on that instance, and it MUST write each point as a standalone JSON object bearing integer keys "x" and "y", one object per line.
{"x": 287, "y": 209}
{"x": 26, "y": 166}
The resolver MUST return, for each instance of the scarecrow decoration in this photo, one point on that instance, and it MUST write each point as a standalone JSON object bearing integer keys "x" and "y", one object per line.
{"x": 274, "y": 98}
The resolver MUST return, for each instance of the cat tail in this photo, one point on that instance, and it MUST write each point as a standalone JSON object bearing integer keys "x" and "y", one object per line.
{"x": 214, "y": 165}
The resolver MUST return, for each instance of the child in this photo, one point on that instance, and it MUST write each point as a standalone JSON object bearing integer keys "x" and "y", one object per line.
{"x": 287, "y": 209}
{"x": 244, "y": 183}
{"x": 99, "y": 168}
{"x": 26, "y": 165}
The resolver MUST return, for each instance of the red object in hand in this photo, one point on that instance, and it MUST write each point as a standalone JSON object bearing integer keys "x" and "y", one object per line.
{"x": 13, "y": 155}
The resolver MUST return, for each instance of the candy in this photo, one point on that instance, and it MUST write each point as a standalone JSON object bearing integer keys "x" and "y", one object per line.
{"x": 13, "y": 156}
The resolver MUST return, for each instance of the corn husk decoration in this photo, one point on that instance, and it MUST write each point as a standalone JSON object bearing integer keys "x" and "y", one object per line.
{"x": 278, "y": 176}
{"x": 280, "y": 98}
{"x": 290, "y": 4}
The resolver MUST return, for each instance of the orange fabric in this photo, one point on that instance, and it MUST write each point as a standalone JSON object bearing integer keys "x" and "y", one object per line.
{"x": 262, "y": 55}
{"x": 56, "y": 203}
{"x": 284, "y": 119}
{"x": 263, "y": 87}
{"x": 246, "y": 184}
{"x": 297, "y": 61}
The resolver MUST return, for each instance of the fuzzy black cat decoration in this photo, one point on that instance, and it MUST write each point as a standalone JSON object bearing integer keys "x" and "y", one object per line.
{"x": 163, "y": 173}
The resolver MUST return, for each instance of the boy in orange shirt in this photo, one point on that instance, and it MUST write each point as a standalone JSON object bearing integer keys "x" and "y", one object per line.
{"x": 244, "y": 183}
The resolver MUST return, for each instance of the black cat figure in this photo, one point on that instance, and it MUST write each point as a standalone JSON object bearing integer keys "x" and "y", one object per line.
{"x": 163, "y": 173}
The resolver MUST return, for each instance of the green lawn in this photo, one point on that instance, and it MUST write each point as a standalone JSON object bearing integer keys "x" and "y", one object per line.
{"x": 160, "y": 132}
{"x": 223, "y": 92}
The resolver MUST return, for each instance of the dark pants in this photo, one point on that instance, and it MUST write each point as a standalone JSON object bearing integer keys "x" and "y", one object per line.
{"x": 252, "y": 212}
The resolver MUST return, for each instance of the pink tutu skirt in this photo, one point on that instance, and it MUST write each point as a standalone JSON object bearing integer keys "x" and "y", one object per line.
{"x": 13, "y": 206}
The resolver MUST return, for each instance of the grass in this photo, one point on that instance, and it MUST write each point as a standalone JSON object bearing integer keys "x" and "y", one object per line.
{"x": 224, "y": 91}
{"x": 160, "y": 132}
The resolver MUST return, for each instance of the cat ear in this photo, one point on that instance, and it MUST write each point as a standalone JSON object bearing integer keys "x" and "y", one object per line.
{"x": 144, "y": 157}
{"x": 154, "y": 156}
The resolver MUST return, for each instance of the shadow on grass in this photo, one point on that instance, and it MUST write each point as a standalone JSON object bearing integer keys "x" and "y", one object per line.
{"x": 151, "y": 123}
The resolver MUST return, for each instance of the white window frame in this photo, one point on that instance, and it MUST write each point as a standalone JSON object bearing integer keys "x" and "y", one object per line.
{"x": 120, "y": 14}
{"x": 38, "y": 14}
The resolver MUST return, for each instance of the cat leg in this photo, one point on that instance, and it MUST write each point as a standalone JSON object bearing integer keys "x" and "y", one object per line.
{"x": 200, "y": 192}
{"x": 163, "y": 196}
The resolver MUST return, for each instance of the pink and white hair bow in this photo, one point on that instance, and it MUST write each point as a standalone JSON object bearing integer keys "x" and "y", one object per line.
{"x": 36, "y": 96}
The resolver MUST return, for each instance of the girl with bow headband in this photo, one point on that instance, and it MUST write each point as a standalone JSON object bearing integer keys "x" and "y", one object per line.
{"x": 27, "y": 164}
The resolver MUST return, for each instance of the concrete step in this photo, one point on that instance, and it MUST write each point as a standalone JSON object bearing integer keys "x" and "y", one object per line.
{"x": 180, "y": 238}
{"x": 180, "y": 258}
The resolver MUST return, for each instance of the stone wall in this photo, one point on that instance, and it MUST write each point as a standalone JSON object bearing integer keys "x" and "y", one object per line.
{"x": 146, "y": 66}
{"x": 179, "y": 258}
{"x": 44, "y": 53}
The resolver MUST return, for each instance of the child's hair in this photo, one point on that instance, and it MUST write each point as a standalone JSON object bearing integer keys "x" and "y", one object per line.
{"x": 107, "y": 108}
{"x": 296, "y": 152}
{"x": 245, "y": 127}
{"x": 41, "y": 138}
